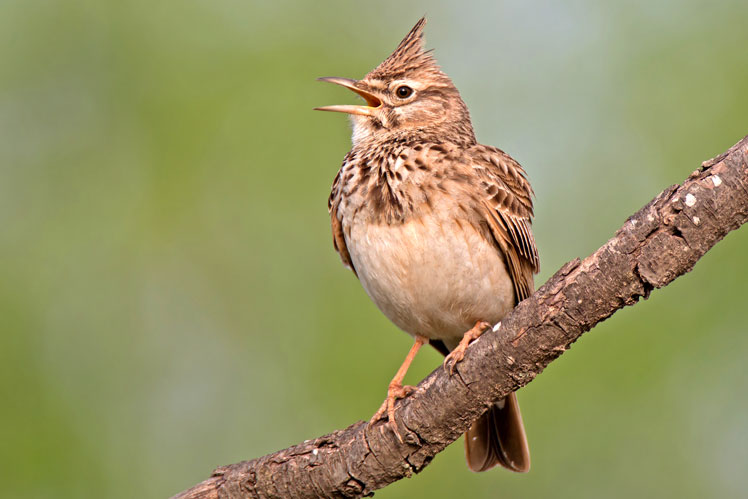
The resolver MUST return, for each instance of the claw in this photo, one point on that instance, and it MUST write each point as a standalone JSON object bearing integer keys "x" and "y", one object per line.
{"x": 456, "y": 355}
{"x": 387, "y": 408}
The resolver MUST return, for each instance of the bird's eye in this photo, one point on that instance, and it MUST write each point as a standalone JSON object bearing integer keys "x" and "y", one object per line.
{"x": 404, "y": 91}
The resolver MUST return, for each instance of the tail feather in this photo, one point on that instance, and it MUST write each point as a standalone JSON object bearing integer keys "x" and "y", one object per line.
{"x": 498, "y": 437}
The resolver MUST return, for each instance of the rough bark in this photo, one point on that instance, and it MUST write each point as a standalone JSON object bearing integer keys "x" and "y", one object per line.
{"x": 660, "y": 242}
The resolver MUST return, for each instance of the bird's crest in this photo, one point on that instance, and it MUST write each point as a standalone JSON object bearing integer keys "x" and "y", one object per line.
{"x": 409, "y": 56}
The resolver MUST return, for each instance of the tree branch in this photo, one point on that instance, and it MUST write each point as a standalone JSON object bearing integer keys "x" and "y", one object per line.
{"x": 660, "y": 242}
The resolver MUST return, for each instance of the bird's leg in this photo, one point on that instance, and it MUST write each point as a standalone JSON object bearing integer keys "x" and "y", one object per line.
{"x": 456, "y": 355}
{"x": 396, "y": 390}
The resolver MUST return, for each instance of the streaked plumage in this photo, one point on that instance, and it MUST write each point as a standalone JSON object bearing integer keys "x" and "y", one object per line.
{"x": 435, "y": 225}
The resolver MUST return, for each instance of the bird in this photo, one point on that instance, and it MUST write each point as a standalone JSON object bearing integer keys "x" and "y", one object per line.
{"x": 436, "y": 227}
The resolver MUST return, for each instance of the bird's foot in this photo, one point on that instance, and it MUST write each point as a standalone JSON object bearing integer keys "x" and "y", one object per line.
{"x": 456, "y": 355}
{"x": 394, "y": 392}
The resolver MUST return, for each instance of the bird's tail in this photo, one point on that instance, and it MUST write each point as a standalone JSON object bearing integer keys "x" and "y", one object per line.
{"x": 498, "y": 437}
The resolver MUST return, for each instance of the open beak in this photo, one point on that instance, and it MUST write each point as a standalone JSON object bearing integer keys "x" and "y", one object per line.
{"x": 372, "y": 101}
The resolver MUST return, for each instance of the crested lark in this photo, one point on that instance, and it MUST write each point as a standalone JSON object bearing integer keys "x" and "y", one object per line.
{"x": 435, "y": 226}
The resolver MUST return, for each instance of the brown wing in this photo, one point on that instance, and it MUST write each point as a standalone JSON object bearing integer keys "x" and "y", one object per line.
{"x": 507, "y": 203}
{"x": 498, "y": 437}
{"x": 338, "y": 238}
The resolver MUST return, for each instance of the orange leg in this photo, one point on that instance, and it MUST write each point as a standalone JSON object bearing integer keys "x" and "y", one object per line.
{"x": 396, "y": 390}
{"x": 456, "y": 355}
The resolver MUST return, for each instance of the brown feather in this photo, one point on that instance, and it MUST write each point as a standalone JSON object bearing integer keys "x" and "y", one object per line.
{"x": 338, "y": 241}
{"x": 498, "y": 437}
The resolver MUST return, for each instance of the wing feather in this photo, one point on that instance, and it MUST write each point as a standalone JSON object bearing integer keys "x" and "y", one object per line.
{"x": 507, "y": 208}
{"x": 338, "y": 235}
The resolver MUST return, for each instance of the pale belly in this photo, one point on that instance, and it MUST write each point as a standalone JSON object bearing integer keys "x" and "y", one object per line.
{"x": 431, "y": 277}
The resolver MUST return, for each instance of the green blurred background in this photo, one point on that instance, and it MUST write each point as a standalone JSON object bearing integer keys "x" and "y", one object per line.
{"x": 169, "y": 294}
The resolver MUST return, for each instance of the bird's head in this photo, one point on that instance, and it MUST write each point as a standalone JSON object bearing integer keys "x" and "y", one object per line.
{"x": 406, "y": 95}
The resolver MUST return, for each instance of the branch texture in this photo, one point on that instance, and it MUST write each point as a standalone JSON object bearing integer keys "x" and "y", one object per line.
{"x": 660, "y": 242}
